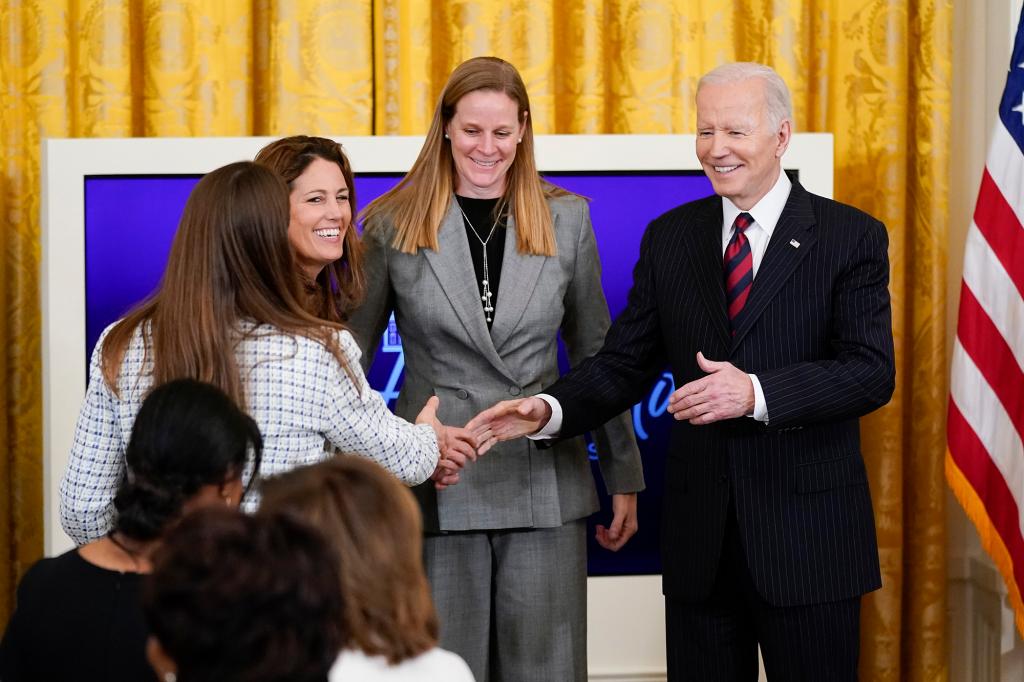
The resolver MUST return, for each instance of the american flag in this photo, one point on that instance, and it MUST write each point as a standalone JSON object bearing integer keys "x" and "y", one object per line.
{"x": 985, "y": 459}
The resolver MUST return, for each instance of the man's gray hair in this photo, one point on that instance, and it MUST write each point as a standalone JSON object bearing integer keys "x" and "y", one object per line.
{"x": 780, "y": 105}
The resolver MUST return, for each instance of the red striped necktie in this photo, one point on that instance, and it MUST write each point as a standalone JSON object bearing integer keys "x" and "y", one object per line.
{"x": 739, "y": 267}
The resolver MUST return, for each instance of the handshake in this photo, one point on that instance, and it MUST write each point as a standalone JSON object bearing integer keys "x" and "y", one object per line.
{"x": 504, "y": 421}
{"x": 507, "y": 420}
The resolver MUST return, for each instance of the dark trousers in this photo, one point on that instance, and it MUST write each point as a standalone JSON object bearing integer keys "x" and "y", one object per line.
{"x": 717, "y": 639}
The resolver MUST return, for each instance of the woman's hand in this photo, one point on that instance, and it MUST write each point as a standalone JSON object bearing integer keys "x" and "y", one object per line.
{"x": 624, "y": 523}
{"x": 456, "y": 446}
{"x": 446, "y": 474}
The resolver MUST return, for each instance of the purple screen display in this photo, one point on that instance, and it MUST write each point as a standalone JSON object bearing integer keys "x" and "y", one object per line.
{"x": 130, "y": 222}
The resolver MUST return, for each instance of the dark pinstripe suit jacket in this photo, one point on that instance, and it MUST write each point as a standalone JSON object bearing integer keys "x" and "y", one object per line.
{"x": 817, "y": 332}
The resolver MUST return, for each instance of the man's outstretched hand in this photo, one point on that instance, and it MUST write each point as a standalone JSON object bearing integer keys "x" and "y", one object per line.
{"x": 507, "y": 420}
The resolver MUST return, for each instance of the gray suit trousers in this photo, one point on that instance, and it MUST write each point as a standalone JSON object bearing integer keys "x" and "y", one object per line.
{"x": 539, "y": 618}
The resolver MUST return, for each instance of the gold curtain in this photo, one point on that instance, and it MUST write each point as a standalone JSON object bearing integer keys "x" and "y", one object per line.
{"x": 876, "y": 74}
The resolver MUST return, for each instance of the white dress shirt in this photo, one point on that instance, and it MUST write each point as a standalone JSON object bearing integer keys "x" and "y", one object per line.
{"x": 766, "y": 213}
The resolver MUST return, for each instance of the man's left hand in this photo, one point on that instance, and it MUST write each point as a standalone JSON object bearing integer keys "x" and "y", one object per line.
{"x": 725, "y": 393}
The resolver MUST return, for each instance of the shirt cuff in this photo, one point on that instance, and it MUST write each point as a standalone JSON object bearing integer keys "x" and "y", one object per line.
{"x": 760, "y": 409}
{"x": 554, "y": 425}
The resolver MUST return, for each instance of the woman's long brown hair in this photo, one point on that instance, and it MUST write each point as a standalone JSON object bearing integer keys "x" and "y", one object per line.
{"x": 417, "y": 205}
{"x": 340, "y": 286}
{"x": 230, "y": 262}
{"x": 374, "y": 523}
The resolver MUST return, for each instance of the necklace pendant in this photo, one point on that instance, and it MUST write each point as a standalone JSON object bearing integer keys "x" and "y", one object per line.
{"x": 485, "y": 283}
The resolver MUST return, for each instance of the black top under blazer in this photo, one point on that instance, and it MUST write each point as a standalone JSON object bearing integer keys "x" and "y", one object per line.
{"x": 817, "y": 332}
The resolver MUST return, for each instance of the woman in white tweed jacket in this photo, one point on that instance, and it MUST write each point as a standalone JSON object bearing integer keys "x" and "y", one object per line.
{"x": 227, "y": 312}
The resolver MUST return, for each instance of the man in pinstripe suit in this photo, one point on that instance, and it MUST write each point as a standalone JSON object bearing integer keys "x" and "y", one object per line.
{"x": 771, "y": 306}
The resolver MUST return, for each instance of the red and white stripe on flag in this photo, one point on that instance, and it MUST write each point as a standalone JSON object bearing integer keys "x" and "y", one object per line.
{"x": 985, "y": 456}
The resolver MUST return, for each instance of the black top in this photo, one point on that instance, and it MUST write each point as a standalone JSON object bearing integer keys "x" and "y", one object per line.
{"x": 76, "y": 621}
{"x": 479, "y": 217}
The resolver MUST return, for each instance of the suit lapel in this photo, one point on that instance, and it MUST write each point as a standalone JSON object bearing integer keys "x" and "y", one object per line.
{"x": 790, "y": 243}
{"x": 704, "y": 250}
{"x": 519, "y": 274}
{"x": 453, "y": 267}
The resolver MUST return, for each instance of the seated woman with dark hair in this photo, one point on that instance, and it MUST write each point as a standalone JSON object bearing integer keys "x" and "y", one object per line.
{"x": 373, "y": 523}
{"x": 236, "y": 598}
{"x": 78, "y": 615}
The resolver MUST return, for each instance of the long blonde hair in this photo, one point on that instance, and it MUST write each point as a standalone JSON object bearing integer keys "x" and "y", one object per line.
{"x": 230, "y": 261}
{"x": 417, "y": 205}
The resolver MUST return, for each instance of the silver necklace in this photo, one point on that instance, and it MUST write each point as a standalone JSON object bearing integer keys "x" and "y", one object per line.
{"x": 485, "y": 283}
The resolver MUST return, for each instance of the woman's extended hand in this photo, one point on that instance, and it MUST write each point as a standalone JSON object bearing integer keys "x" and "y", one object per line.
{"x": 456, "y": 446}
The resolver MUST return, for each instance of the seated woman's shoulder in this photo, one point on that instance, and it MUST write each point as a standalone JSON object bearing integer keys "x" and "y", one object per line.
{"x": 49, "y": 576}
{"x": 441, "y": 664}
{"x": 435, "y": 665}
{"x": 452, "y": 665}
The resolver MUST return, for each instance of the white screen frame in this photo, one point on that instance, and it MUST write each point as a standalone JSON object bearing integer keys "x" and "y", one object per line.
{"x": 615, "y": 604}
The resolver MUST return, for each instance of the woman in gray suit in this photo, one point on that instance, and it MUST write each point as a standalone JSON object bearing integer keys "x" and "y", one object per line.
{"x": 483, "y": 263}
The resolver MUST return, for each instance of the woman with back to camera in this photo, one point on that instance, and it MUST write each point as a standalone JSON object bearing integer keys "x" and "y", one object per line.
{"x": 374, "y": 526}
{"x": 188, "y": 448}
{"x": 484, "y": 263}
{"x": 227, "y": 311}
{"x": 236, "y": 598}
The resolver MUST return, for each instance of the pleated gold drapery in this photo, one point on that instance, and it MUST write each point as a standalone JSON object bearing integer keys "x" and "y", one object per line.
{"x": 876, "y": 74}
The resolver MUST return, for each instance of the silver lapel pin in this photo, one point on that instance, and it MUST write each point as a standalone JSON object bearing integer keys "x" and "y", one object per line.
{"x": 794, "y": 243}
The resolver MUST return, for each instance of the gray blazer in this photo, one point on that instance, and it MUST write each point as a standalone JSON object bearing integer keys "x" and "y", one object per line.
{"x": 449, "y": 352}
